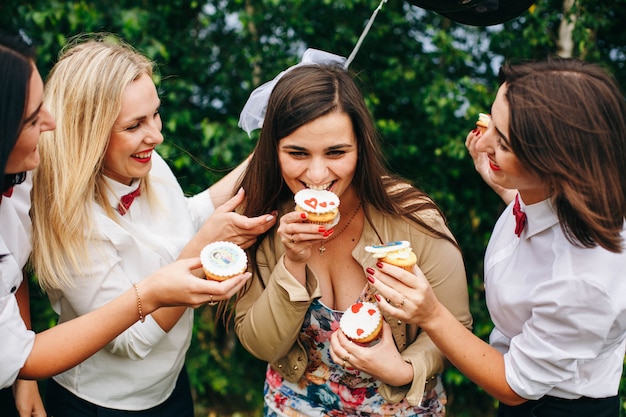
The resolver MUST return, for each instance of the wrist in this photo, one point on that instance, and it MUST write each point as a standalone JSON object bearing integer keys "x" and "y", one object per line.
{"x": 140, "y": 312}
{"x": 145, "y": 302}
{"x": 404, "y": 375}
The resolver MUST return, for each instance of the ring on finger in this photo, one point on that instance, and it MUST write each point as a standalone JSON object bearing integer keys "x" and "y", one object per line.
{"x": 402, "y": 302}
{"x": 211, "y": 302}
{"x": 293, "y": 240}
{"x": 343, "y": 365}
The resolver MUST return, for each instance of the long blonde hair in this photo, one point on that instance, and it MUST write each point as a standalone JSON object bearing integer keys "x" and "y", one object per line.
{"x": 84, "y": 94}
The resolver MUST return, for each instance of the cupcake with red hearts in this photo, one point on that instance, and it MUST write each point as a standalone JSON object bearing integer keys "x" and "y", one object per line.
{"x": 320, "y": 206}
{"x": 362, "y": 322}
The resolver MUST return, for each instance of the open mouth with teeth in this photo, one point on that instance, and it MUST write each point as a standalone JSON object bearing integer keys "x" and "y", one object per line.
{"x": 327, "y": 186}
{"x": 142, "y": 156}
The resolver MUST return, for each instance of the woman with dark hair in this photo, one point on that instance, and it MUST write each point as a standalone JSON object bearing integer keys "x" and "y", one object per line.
{"x": 24, "y": 354}
{"x": 21, "y": 122}
{"x": 555, "y": 150}
{"x": 317, "y": 133}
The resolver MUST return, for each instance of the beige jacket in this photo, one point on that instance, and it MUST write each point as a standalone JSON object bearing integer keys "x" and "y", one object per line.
{"x": 268, "y": 321}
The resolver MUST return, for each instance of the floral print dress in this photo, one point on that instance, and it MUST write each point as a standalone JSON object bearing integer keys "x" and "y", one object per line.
{"x": 327, "y": 389}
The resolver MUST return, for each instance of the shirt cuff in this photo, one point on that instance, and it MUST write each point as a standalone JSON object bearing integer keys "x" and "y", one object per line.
{"x": 201, "y": 206}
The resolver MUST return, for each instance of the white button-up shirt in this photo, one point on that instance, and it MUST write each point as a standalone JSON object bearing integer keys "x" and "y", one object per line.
{"x": 15, "y": 246}
{"x": 138, "y": 369}
{"x": 559, "y": 310}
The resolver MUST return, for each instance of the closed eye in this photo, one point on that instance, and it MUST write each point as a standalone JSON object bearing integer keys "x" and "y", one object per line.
{"x": 336, "y": 153}
{"x": 298, "y": 154}
{"x": 502, "y": 144}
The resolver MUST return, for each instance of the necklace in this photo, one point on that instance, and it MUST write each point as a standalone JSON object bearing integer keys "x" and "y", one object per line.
{"x": 322, "y": 249}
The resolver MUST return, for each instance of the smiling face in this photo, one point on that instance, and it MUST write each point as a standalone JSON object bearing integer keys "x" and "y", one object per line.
{"x": 321, "y": 154}
{"x": 135, "y": 133}
{"x": 506, "y": 169}
{"x": 25, "y": 155}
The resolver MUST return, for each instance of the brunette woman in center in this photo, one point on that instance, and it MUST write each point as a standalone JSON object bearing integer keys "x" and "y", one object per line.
{"x": 317, "y": 133}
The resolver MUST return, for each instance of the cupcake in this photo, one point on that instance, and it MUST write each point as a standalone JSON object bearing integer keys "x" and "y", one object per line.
{"x": 483, "y": 122}
{"x": 320, "y": 206}
{"x": 223, "y": 260}
{"x": 398, "y": 253}
{"x": 362, "y": 322}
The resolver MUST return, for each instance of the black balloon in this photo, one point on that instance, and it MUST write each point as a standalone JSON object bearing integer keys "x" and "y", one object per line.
{"x": 476, "y": 12}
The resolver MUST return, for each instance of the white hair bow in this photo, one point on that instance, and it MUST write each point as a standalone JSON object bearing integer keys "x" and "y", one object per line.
{"x": 253, "y": 112}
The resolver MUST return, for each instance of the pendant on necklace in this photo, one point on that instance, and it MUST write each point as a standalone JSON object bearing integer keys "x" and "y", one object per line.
{"x": 322, "y": 249}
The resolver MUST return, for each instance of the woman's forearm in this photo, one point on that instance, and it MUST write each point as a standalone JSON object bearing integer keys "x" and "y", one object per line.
{"x": 66, "y": 345}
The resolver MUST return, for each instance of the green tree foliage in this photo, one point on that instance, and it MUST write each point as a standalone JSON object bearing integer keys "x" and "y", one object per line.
{"x": 424, "y": 77}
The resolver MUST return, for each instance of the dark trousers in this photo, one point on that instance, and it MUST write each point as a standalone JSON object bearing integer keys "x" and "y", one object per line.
{"x": 62, "y": 403}
{"x": 559, "y": 407}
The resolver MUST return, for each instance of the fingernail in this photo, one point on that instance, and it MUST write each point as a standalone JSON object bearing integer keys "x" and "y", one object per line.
{"x": 321, "y": 229}
{"x": 269, "y": 218}
{"x": 370, "y": 279}
{"x": 370, "y": 270}
{"x": 475, "y": 131}
{"x": 240, "y": 190}
{"x": 379, "y": 265}
{"x": 328, "y": 233}
{"x": 303, "y": 215}
{"x": 377, "y": 297}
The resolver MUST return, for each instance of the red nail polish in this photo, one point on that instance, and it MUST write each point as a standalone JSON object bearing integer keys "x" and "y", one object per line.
{"x": 303, "y": 215}
{"x": 379, "y": 265}
{"x": 370, "y": 279}
{"x": 370, "y": 270}
{"x": 328, "y": 233}
{"x": 321, "y": 229}
{"x": 377, "y": 297}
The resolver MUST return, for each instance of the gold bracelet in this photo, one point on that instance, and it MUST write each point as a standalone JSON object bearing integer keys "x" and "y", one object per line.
{"x": 142, "y": 318}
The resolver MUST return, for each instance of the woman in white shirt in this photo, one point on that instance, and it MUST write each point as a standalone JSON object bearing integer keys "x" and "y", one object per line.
{"x": 554, "y": 266}
{"x": 91, "y": 243}
{"x": 24, "y": 354}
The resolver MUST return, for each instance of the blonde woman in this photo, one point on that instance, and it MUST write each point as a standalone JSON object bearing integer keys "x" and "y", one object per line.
{"x": 24, "y": 354}
{"x": 108, "y": 211}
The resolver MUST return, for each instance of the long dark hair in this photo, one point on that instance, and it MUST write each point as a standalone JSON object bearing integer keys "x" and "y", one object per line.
{"x": 567, "y": 124}
{"x": 16, "y": 57}
{"x": 304, "y": 94}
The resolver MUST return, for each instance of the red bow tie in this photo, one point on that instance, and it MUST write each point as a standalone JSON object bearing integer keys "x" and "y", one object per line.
{"x": 520, "y": 217}
{"x": 127, "y": 200}
{"x": 8, "y": 193}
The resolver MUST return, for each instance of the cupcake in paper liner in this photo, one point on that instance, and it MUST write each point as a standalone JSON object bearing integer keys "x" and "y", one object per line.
{"x": 398, "y": 253}
{"x": 320, "y": 206}
{"x": 483, "y": 122}
{"x": 362, "y": 322}
{"x": 223, "y": 260}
